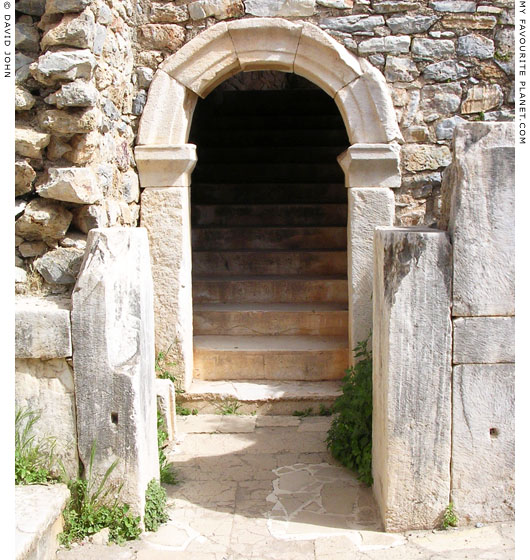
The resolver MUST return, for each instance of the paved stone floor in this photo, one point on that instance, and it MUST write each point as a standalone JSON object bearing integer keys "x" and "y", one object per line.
{"x": 265, "y": 487}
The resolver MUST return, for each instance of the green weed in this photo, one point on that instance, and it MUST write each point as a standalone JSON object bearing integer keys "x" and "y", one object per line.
{"x": 155, "y": 506}
{"x": 450, "y": 518}
{"x": 304, "y": 413}
{"x": 325, "y": 410}
{"x": 228, "y": 406}
{"x": 162, "y": 365}
{"x": 167, "y": 475}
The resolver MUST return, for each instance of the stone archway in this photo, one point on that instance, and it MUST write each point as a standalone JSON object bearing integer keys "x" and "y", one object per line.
{"x": 165, "y": 160}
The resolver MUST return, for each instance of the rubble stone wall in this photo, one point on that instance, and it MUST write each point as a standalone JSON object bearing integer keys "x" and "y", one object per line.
{"x": 84, "y": 68}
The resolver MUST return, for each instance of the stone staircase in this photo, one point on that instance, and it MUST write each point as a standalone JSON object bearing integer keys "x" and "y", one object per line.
{"x": 269, "y": 247}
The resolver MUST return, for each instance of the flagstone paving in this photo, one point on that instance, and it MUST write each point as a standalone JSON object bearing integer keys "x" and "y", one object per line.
{"x": 265, "y": 487}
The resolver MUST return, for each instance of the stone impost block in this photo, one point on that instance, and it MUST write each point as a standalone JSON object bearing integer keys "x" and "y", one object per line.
{"x": 368, "y": 208}
{"x": 265, "y": 43}
{"x": 172, "y": 125}
{"x": 42, "y": 328}
{"x": 479, "y": 189}
{"x": 324, "y": 61}
{"x": 113, "y": 342}
{"x": 47, "y": 387}
{"x": 207, "y": 60}
{"x": 165, "y": 213}
{"x": 484, "y": 340}
{"x": 371, "y": 165}
{"x": 165, "y": 397}
{"x": 411, "y": 448}
{"x": 483, "y": 460}
{"x": 165, "y": 166}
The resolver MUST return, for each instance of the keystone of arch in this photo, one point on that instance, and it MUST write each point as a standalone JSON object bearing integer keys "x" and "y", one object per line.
{"x": 225, "y": 49}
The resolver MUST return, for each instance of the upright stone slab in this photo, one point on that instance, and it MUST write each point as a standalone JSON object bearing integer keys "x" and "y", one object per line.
{"x": 479, "y": 188}
{"x": 411, "y": 450}
{"x": 113, "y": 350}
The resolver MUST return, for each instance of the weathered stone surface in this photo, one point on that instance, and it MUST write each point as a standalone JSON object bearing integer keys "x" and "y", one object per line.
{"x": 285, "y": 8}
{"x": 476, "y": 46}
{"x": 26, "y": 37}
{"x": 24, "y": 101}
{"x": 60, "y": 266}
{"x": 368, "y": 208}
{"x": 445, "y": 70}
{"x": 165, "y": 213}
{"x": 74, "y": 239}
{"x": 156, "y": 36}
{"x": 445, "y": 128}
{"x": 112, "y": 336}
{"x": 65, "y": 65}
{"x": 31, "y": 7}
{"x": 389, "y": 7}
{"x": 74, "y": 94}
{"x": 392, "y": 45}
{"x": 22, "y": 66}
{"x": 47, "y": 386}
{"x": 478, "y": 193}
{"x": 220, "y": 9}
{"x": 460, "y": 21}
{"x": 43, "y": 220}
{"x": 24, "y": 177}
{"x": 483, "y": 459}
{"x": 484, "y": 340}
{"x": 72, "y": 31}
{"x": 408, "y": 25}
{"x": 411, "y": 450}
{"x": 32, "y": 248}
{"x": 165, "y": 398}
{"x": 442, "y": 98}
{"x": 400, "y": 69}
{"x": 167, "y": 12}
{"x": 352, "y": 24}
{"x": 20, "y": 205}
{"x": 66, "y": 6}
{"x": 429, "y": 49}
{"x": 418, "y": 157}
{"x": 145, "y": 76}
{"x": 71, "y": 184}
{"x": 30, "y": 142}
{"x": 454, "y": 6}
{"x": 89, "y": 217}
{"x": 42, "y": 328}
{"x": 416, "y": 134}
{"x": 75, "y": 121}
{"x": 482, "y": 98}
{"x": 130, "y": 186}
{"x": 20, "y": 275}
{"x": 38, "y": 519}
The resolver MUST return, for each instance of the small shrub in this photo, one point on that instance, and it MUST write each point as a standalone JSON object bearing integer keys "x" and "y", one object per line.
{"x": 94, "y": 505}
{"x": 167, "y": 476}
{"x": 325, "y": 410}
{"x": 303, "y": 413}
{"x": 350, "y": 435}
{"x": 450, "y": 518}
{"x": 34, "y": 459}
{"x": 229, "y": 406}
{"x": 155, "y": 506}
{"x": 161, "y": 365}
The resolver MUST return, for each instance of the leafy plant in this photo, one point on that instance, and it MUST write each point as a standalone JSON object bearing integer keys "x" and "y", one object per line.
{"x": 167, "y": 476}
{"x": 325, "y": 410}
{"x": 229, "y": 406}
{"x": 450, "y": 518}
{"x": 350, "y": 435}
{"x": 94, "y": 505}
{"x": 161, "y": 365}
{"x": 303, "y": 413}
{"x": 34, "y": 458}
{"x": 155, "y": 506}
{"x": 502, "y": 57}
{"x": 182, "y": 410}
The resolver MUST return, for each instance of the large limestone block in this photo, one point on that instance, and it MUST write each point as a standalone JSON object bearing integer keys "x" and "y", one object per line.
{"x": 479, "y": 189}
{"x": 43, "y": 220}
{"x": 30, "y": 142}
{"x": 411, "y": 449}
{"x": 483, "y": 340}
{"x": 165, "y": 166}
{"x": 367, "y": 111}
{"x": 483, "y": 460}
{"x": 171, "y": 125}
{"x": 165, "y": 213}
{"x": 371, "y": 165}
{"x": 71, "y": 184}
{"x": 112, "y": 336}
{"x": 265, "y": 43}
{"x": 204, "y": 62}
{"x": 72, "y": 31}
{"x": 47, "y": 387}
{"x": 324, "y": 61}
{"x": 368, "y": 208}
{"x": 65, "y": 65}
{"x": 42, "y": 328}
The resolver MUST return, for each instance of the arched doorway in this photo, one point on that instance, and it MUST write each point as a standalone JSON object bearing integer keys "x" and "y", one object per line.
{"x": 165, "y": 160}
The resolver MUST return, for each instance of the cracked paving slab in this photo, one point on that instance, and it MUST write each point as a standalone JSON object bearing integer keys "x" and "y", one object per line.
{"x": 260, "y": 488}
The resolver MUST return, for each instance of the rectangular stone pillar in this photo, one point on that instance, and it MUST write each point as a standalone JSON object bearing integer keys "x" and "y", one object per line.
{"x": 367, "y": 208}
{"x": 113, "y": 353}
{"x": 411, "y": 449}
